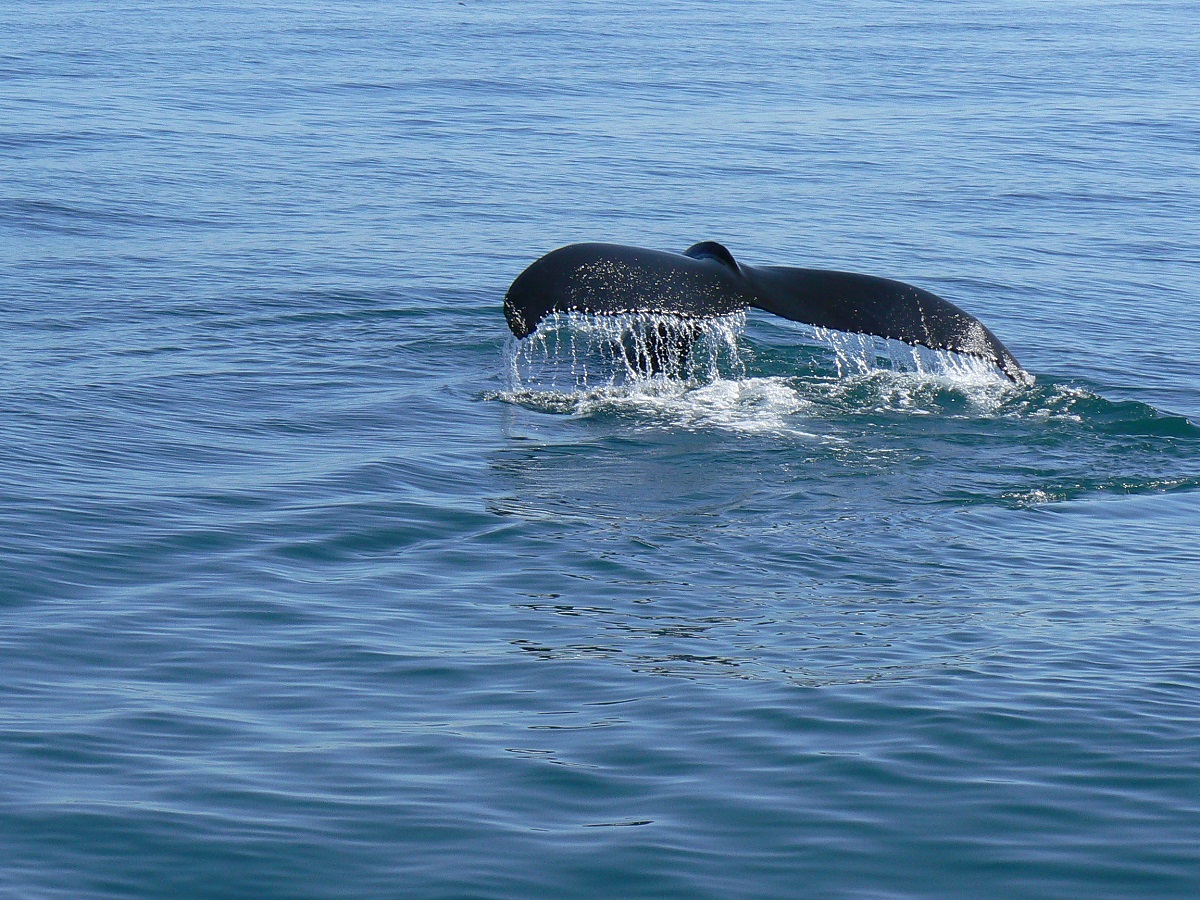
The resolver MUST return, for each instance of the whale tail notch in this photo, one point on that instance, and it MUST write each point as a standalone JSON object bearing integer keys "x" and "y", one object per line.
{"x": 714, "y": 251}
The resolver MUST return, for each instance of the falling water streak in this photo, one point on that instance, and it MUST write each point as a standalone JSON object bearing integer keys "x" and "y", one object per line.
{"x": 864, "y": 354}
{"x": 575, "y": 351}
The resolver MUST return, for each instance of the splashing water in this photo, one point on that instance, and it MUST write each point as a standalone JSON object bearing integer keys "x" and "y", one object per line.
{"x": 573, "y": 351}
{"x": 692, "y": 372}
{"x": 687, "y": 372}
{"x": 865, "y": 354}
{"x": 577, "y": 351}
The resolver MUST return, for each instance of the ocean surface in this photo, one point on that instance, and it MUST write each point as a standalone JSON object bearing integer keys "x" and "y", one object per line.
{"x": 314, "y": 582}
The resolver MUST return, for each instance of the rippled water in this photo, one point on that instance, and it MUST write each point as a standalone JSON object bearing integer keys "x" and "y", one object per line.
{"x": 314, "y": 582}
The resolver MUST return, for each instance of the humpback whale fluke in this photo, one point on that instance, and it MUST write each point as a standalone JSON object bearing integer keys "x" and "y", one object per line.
{"x": 706, "y": 281}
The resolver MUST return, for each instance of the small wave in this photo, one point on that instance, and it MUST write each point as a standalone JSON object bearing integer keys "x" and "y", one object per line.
{"x": 1035, "y": 497}
{"x": 1058, "y": 402}
{"x": 1089, "y": 487}
{"x": 884, "y": 391}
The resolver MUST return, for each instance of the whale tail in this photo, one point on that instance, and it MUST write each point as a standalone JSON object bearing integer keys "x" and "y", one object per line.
{"x": 705, "y": 281}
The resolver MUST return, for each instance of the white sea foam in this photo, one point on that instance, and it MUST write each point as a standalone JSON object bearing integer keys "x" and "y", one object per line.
{"x": 1035, "y": 497}
{"x": 750, "y": 405}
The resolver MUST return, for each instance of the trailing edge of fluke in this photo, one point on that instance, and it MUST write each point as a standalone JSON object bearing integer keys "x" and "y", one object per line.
{"x": 706, "y": 281}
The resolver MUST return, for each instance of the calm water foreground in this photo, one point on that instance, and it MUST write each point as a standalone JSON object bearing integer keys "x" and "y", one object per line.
{"x": 313, "y": 583}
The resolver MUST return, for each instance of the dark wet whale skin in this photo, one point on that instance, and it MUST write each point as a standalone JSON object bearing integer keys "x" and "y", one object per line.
{"x": 706, "y": 281}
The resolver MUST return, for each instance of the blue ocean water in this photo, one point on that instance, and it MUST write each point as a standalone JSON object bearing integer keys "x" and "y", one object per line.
{"x": 313, "y": 582}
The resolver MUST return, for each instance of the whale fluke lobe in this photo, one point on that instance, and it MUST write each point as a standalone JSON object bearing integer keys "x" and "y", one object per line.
{"x": 706, "y": 281}
{"x": 610, "y": 279}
